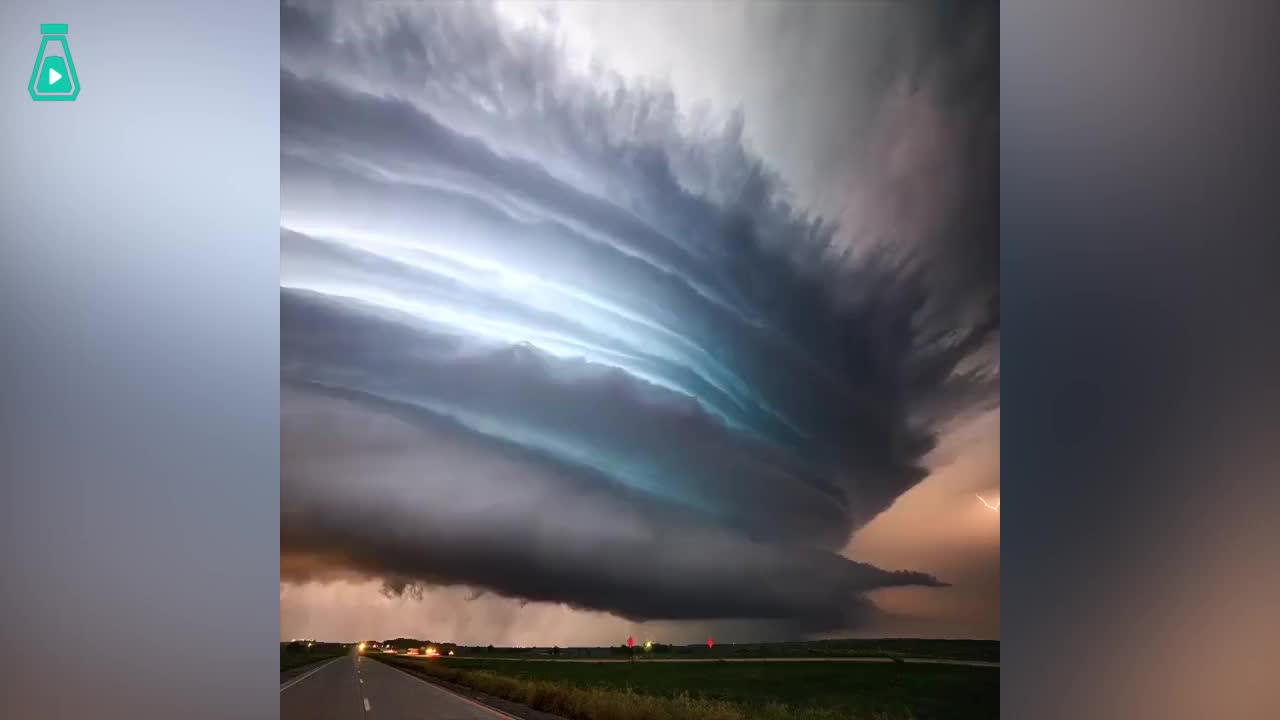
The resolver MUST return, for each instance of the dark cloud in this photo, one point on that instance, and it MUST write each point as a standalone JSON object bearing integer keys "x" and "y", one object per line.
{"x": 543, "y": 340}
{"x": 407, "y": 496}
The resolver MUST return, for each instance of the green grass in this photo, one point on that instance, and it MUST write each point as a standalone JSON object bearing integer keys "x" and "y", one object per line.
{"x": 746, "y": 691}
{"x": 975, "y": 650}
{"x": 294, "y": 655}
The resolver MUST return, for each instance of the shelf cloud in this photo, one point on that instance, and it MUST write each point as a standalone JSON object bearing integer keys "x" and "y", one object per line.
{"x": 547, "y": 336}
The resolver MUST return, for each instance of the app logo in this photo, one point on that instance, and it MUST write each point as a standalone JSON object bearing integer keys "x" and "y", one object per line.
{"x": 54, "y": 76}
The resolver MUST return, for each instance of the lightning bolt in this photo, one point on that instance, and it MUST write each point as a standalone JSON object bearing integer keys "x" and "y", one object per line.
{"x": 995, "y": 507}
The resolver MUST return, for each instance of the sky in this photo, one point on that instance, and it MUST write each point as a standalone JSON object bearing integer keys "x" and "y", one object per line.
{"x": 641, "y": 318}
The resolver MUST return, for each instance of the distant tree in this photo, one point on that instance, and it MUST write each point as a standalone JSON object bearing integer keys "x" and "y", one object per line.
{"x": 555, "y": 649}
{"x": 490, "y": 648}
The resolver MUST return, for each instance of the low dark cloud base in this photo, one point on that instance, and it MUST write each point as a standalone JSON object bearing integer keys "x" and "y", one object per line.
{"x": 396, "y": 493}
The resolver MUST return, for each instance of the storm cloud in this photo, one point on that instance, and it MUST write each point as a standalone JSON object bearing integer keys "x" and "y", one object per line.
{"x": 546, "y": 335}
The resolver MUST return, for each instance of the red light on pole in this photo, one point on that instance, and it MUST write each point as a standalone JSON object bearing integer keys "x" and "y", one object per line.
{"x": 710, "y": 643}
{"x": 631, "y": 642}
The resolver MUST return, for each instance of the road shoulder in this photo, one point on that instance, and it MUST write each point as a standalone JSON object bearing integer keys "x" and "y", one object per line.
{"x": 509, "y": 707}
{"x": 293, "y": 673}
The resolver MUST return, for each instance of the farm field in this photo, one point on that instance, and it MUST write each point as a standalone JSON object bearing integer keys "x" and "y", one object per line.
{"x": 755, "y": 689}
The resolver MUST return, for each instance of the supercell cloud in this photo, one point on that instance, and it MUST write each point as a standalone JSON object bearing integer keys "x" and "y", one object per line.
{"x": 547, "y": 335}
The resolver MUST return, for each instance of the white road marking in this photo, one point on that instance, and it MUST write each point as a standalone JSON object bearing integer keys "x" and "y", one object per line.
{"x": 366, "y": 705}
{"x": 307, "y": 674}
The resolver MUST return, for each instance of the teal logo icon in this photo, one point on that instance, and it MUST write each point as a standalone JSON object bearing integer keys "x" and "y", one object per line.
{"x": 54, "y": 76}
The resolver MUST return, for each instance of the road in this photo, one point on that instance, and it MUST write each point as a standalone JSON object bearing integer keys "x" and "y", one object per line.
{"x": 358, "y": 688}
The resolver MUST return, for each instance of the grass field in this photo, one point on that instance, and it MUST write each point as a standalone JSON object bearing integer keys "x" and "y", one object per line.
{"x": 745, "y": 690}
{"x": 977, "y": 650}
{"x": 294, "y": 655}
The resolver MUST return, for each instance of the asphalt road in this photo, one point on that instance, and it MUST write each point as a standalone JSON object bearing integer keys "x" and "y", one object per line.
{"x": 358, "y": 688}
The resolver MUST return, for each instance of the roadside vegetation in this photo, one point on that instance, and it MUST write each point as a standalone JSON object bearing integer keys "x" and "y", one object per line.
{"x": 966, "y": 650}
{"x": 299, "y": 653}
{"x": 727, "y": 691}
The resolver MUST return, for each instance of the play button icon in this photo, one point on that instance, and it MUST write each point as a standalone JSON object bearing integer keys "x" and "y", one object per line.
{"x": 54, "y": 79}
